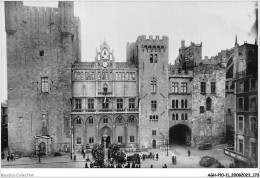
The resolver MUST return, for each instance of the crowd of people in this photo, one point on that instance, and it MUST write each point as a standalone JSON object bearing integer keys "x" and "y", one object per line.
{"x": 9, "y": 157}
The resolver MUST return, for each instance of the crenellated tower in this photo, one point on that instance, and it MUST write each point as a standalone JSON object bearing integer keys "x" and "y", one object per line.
{"x": 42, "y": 43}
{"x": 153, "y": 90}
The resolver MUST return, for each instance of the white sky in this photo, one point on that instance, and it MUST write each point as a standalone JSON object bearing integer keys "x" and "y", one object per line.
{"x": 214, "y": 23}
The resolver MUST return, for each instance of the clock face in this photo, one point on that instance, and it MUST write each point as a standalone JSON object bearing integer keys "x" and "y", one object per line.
{"x": 105, "y": 54}
{"x": 105, "y": 64}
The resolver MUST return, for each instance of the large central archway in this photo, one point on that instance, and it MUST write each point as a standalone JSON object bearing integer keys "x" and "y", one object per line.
{"x": 180, "y": 134}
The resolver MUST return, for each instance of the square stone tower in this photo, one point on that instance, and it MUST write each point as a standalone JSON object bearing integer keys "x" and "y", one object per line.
{"x": 152, "y": 57}
{"x": 42, "y": 42}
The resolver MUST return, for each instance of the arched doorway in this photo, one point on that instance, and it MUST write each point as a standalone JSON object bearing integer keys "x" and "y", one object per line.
{"x": 180, "y": 134}
{"x": 43, "y": 147}
{"x": 106, "y": 131}
{"x": 154, "y": 144}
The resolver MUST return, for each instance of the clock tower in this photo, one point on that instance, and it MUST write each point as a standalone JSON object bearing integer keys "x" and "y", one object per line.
{"x": 104, "y": 58}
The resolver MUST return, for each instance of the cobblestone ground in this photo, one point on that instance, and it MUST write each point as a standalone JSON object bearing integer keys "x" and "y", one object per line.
{"x": 183, "y": 161}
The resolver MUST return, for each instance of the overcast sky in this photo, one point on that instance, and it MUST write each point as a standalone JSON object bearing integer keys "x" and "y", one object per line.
{"x": 214, "y": 23}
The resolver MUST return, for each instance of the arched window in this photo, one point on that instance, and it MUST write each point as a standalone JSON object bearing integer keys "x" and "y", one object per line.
{"x": 177, "y": 116}
{"x": 186, "y": 104}
{"x": 182, "y": 103}
{"x": 208, "y": 104}
{"x": 182, "y": 116}
{"x": 131, "y": 120}
{"x": 155, "y": 58}
{"x": 105, "y": 120}
{"x": 177, "y": 102}
{"x": 119, "y": 120}
{"x": 105, "y": 88}
{"x": 91, "y": 120}
{"x": 158, "y": 49}
{"x": 186, "y": 116}
{"x": 78, "y": 121}
{"x": 173, "y": 103}
{"x": 173, "y": 117}
{"x": 151, "y": 58}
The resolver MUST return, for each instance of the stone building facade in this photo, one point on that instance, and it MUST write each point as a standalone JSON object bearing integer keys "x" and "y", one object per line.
{"x": 4, "y": 126}
{"x": 105, "y": 101}
{"x": 180, "y": 107}
{"x": 208, "y": 104}
{"x": 56, "y": 102}
{"x": 42, "y": 43}
{"x": 245, "y": 76}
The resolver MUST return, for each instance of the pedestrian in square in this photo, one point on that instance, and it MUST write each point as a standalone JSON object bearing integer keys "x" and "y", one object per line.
{"x": 86, "y": 165}
{"x": 74, "y": 158}
{"x": 11, "y": 157}
{"x": 188, "y": 152}
{"x": 151, "y": 166}
{"x": 157, "y": 156}
{"x": 8, "y": 158}
{"x": 153, "y": 156}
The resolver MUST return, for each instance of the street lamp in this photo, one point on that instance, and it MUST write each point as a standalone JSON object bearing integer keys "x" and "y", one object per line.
{"x": 105, "y": 137}
{"x": 167, "y": 146}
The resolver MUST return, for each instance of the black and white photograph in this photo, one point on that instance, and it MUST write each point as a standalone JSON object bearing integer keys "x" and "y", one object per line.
{"x": 129, "y": 84}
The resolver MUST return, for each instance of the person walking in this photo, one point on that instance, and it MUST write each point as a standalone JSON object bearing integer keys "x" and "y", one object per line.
{"x": 75, "y": 158}
{"x": 188, "y": 152}
{"x": 86, "y": 165}
{"x": 8, "y": 158}
{"x": 157, "y": 156}
{"x": 151, "y": 166}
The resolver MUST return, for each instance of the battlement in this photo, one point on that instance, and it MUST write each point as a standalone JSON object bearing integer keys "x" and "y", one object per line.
{"x": 143, "y": 38}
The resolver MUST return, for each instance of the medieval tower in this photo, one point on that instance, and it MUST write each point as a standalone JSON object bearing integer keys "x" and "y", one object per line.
{"x": 153, "y": 90}
{"x": 42, "y": 43}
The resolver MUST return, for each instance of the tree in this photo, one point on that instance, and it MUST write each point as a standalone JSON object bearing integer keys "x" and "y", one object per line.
{"x": 116, "y": 154}
{"x": 98, "y": 155}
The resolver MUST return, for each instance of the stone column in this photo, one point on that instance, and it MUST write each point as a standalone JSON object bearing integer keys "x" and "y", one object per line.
{"x": 114, "y": 133}
{"x": 126, "y": 135}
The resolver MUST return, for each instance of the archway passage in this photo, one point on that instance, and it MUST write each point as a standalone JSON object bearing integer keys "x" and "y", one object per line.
{"x": 107, "y": 141}
{"x": 180, "y": 134}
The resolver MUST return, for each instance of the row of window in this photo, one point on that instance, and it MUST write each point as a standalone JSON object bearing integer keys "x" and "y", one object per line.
{"x": 154, "y": 117}
{"x": 203, "y": 89}
{"x": 253, "y": 85}
{"x": 252, "y": 103}
{"x": 119, "y": 120}
{"x": 104, "y": 75}
{"x": 119, "y": 139}
{"x": 175, "y": 87}
{"x": 253, "y": 123}
{"x": 105, "y": 103}
{"x": 175, "y": 117}
{"x": 153, "y": 48}
{"x": 175, "y": 104}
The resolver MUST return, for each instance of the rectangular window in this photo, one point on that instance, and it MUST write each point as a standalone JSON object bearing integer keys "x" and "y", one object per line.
{"x": 78, "y": 140}
{"x": 91, "y": 140}
{"x": 130, "y": 76}
{"x": 240, "y": 87}
{"x": 153, "y": 132}
{"x": 123, "y": 76}
{"x": 253, "y": 84}
{"x": 153, "y": 104}
{"x": 184, "y": 87}
{"x": 240, "y": 104}
{"x": 174, "y": 87}
{"x": 131, "y": 103}
{"x": 253, "y": 104}
{"x": 132, "y": 139}
{"x": 120, "y": 103}
{"x": 78, "y": 103}
{"x": 253, "y": 149}
{"x": 201, "y": 109}
{"x": 45, "y": 85}
{"x": 105, "y": 103}
{"x": 120, "y": 139}
{"x": 116, "y": 75}
{"x": 253, "y": 124}
{"x": 241, "y": 145}
{"x": 240, "y": 123}
{"x": 126, "y": 76}
{"x": 203, "y": 87}
{"x": 153, "y": 85}
{"x": 213, "y": 87}
{"x": 90, "y": 103}
{"x": 99, "y": 76}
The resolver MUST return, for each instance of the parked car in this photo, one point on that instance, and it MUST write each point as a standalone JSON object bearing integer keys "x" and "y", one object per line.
{"x": 210, "y": 162}
{"x": 205, "y": 146}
